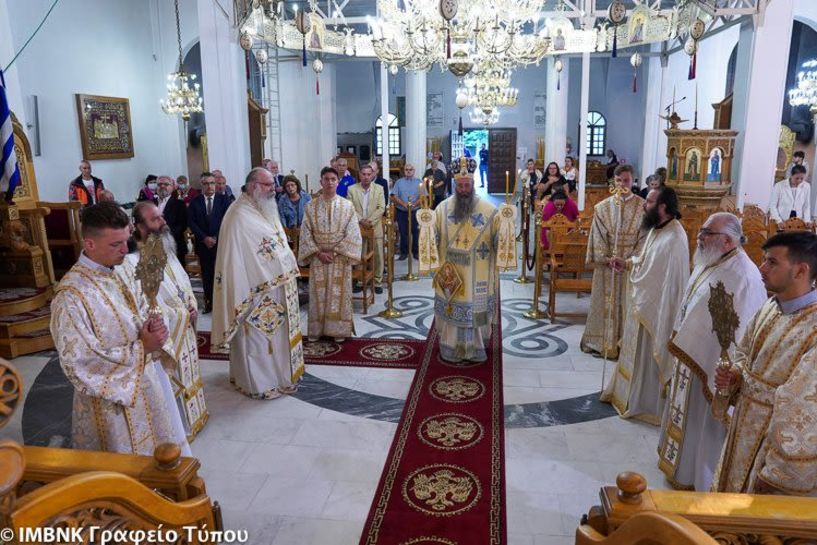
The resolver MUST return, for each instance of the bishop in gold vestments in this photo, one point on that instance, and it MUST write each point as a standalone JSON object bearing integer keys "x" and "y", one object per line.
{"x": 473, "y": 239}
{"x": 330, "y": 245}
{"x": 609, "y": 218}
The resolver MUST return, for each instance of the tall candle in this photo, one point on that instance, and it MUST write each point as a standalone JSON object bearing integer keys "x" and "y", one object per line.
{"x": 507, "y": 182}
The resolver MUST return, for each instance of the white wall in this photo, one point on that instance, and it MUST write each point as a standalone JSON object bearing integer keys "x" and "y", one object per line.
{"x": 309, "y": 121}
{"x": 101, "y": 47}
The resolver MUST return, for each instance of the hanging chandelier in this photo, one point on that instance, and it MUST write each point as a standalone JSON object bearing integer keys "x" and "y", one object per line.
{"x": 182, "y": 91}
{"x": 424, "y": 33}
{"x": 805, "y": 94}
{"x": 487, "y": 116}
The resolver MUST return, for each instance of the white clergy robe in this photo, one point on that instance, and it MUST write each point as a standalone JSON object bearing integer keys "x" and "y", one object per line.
{"x": 608, "y": 218}
{"x": 691, "y": 437}
{"x": 659, "y": 276}
{"x": 255, "y": 302}
{"x": 773, "y": 432}
{"x": 123, "y": 401}
{"x": 330, "y": 225}
{"x": 176, "y": 299}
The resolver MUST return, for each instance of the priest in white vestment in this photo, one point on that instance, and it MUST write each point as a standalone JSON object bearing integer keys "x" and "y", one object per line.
{"x": 615, "y": 232}
{"x": 771, "y": 445}
{"x": 691, "y": 437}
{"x": 330, "y": 245}
{"x": 659, "y": 276}
{"x": 179, "y": 310}
{"x": 123, "y": 401}
{"x": 465, "y": 240}
{"x": 255, "y": 295}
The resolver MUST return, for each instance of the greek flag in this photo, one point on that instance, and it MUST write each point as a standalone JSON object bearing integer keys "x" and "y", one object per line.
{"x": 9, "y": 172}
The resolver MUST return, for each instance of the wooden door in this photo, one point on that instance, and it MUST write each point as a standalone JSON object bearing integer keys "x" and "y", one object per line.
{"x": 258, "y": 131}
{"x": 501, "y": 158}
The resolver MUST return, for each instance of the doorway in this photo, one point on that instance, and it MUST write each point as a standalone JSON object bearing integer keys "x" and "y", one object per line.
{"x": 475, "y": 142}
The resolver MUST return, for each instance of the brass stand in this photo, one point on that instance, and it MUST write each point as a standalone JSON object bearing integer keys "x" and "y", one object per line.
{"x": 524, "y": 236}
{"x": 388, "y": 221}
{"x": 410, "y": 276}
{"x": 534, "y": 313}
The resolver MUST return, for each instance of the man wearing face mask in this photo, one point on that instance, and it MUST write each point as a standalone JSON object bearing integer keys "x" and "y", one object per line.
{"x": 148, "y": 192}
{"x": 174, "y": 212}
{"x": 184, "y": 191}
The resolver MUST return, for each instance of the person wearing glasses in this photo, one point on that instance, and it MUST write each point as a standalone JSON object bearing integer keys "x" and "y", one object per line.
{"x": 255, "y": 299}
{"x": 690, "y": 446}
{"x": 407, "y": 190}
{"x": 658, "y": 276}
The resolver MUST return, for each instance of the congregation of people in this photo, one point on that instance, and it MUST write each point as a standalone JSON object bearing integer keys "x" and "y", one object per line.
{"x": 745, "y": 428}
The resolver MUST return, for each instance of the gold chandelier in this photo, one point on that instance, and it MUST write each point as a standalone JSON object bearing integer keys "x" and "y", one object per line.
{"x": 182, "y": 91}
{"x": 501, "y": 32}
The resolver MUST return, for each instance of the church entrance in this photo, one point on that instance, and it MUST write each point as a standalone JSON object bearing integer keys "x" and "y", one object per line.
{"x": 475, "y": 142}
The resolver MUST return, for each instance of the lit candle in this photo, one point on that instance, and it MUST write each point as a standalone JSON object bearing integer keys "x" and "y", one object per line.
{"x": 507, "y": 182}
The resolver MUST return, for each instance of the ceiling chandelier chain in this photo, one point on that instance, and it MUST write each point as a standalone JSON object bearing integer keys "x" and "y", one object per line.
{"x": 182, "y": 93}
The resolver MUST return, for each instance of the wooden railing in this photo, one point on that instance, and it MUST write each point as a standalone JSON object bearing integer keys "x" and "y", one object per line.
{"x": 731, "y": 519}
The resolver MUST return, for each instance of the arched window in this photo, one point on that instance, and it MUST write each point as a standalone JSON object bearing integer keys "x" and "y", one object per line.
{"x": 394, "y": 135}
{"x": 596, "y": 133}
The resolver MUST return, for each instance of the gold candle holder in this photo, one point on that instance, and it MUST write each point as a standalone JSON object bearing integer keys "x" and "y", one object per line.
{"x": 389, "y": 311}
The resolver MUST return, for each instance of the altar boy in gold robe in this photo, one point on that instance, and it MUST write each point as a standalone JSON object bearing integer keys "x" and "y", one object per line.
{"x": 123, "y": 401}
{"x": 771, "y": 447}
{"x": 465, "y": 239}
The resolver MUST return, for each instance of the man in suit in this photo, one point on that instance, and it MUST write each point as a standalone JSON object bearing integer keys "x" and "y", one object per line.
{"x": 368, "y": 200}
{"x": 205, "y": 214}
{"x": 277, "y": 178}
{"x": 174, "y": 211}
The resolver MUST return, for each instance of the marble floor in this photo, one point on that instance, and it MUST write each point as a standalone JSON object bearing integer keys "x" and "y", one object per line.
{"x": 302, "y": 470}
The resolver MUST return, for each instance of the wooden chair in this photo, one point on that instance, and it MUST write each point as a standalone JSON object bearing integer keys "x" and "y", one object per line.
{"x": 796, "y": 224}
{"x": 363, "y": 272}
{"x": 62, "y": 227}
{"x": 753, "y": 246}
{"x": 568, "y": 271}
{"x": 293, "y": 237}
{"x": 754, "y": 211}
{"x": 648, "y": 529}
{"x": 755, "y": 225}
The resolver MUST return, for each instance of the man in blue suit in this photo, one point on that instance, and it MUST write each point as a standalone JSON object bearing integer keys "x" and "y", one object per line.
{"x": 205, "y": 214}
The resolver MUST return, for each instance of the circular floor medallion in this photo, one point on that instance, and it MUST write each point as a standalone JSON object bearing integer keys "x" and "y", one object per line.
{"x": 450, "y": 431}
{"x": 391, "y": 351}
{"x": 456, "y": 389}
{"x": 320, "y": 349}
{"x": 441, "y": 490}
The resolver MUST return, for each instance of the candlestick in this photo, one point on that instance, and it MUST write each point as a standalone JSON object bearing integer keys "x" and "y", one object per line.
{"x": 507, "y": 182}
{"x": 306, "y": 180}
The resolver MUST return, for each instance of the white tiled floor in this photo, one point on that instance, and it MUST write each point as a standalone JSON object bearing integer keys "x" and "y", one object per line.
{"x": 297, "y": 474}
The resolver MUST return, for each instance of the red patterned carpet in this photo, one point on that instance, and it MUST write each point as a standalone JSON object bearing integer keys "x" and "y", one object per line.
{"x": 355, "y": 352}
{"x": 443, "y": 482}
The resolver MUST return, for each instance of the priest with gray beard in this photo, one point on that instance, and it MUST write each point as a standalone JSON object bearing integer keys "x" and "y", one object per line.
{"x": 472, "y": 239}
{"x": 179, "y": 355}
{"x": 691, "y": 437}
{"x": 255, "y": 296}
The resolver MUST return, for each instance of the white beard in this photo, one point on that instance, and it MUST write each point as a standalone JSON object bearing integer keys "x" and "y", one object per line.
{"x": 268, "y": 206}
{"x": 706, "y": 257}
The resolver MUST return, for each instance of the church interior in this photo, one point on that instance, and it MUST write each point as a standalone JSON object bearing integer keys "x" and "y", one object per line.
{"x": 620, "y": 348}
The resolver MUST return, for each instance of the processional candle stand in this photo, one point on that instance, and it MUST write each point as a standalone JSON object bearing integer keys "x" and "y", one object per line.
{"x": 534, "y": 313}
{"x": 390, "y": 311}
{"x": 410, "y": 276}
{"x": 725, "y": 321}
{"x": 150, "y": 271}
{"x": 524, "y": 236}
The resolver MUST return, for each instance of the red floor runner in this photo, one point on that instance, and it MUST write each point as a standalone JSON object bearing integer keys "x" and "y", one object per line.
{"x": 443, "y": 482}
{"x": 355, "y": 352}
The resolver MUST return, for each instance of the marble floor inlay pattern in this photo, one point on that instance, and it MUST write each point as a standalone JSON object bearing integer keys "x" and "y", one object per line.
{"x": 302, "y": 470}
